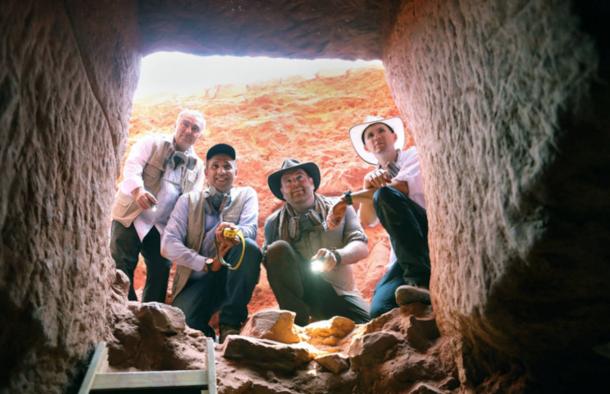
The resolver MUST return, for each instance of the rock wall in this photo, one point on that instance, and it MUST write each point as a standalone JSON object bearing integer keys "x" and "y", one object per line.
{"x": 508, "y": 103}
{"x": 303, "y": 28}
{"x": 67, "y": 73}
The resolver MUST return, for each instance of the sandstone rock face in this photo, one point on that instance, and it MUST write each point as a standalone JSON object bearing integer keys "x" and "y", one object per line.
{"x": 67, "y": 73}
{"x": 513, "y": 135}
{"x": 150, "y": 336}
{"x": 305, "y": 29}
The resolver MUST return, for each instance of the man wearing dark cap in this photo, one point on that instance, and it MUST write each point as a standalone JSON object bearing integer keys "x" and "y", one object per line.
{"x": 216, "y": 270}
{"x": 308, "y": 265}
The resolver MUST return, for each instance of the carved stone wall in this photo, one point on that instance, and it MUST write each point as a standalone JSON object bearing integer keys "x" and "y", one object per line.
{"x": 67, "y": 73}
{"x": 508, "y": 106}
{"x": 350, "y": 29}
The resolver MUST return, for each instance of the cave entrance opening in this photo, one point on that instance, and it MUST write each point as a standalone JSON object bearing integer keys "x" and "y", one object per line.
{"x": 268, "y": 109}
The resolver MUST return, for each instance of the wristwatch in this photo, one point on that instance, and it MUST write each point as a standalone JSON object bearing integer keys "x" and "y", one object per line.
{"x": 337, "y": 256}
{"x": 348, "y": 197}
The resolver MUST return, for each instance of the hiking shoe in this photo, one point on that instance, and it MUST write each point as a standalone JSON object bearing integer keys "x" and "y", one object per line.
{"x": 407, "y": 294}
{"x": 226, "y": 330}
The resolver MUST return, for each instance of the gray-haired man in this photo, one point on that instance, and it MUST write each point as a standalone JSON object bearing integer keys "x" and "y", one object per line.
{"x": 157, "y": 171}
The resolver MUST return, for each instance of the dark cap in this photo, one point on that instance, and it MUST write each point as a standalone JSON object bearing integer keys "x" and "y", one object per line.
{"x": 220, "y": 149}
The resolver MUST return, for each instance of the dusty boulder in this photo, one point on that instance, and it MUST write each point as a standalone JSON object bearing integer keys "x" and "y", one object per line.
{"x": 154, "y": 336}
{"x": 266, "y": 354}
{"x": 160, "y": 317}
{"x": 329, "y": 332}
{"x": 275, "y": 325}
{"x": 373, "y": 348}
{"x": 334, "y": 362}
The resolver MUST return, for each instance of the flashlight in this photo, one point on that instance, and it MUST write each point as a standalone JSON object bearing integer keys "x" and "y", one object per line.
{"x": 317, "y": 265}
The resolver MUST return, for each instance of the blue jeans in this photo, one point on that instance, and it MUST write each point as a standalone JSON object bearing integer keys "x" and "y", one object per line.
{"x": 407, "y": 225}
{"x": 230, "y": 291}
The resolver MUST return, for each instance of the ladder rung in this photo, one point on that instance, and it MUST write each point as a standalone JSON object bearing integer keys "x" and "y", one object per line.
{"x": 148, "y": 379}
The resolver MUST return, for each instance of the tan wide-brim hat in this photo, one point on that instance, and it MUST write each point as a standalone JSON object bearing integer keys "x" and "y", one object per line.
{"x": 355, "y": 134}
{"x": 275, "y": 180}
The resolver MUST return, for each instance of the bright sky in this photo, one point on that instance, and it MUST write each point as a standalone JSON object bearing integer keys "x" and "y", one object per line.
{"x": 182, "y": 74}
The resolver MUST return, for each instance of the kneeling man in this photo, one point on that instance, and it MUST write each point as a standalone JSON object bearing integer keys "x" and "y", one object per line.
{"x": 296, "y": 235}
{"x": 393, "y": 194}
{"x": 195, "y": 238}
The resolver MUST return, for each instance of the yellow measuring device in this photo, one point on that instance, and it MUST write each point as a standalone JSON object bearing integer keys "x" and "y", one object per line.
{"x": 233, "y": 233}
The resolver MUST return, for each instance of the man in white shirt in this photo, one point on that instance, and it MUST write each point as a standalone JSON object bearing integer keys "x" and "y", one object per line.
{"x": 195, "y": 239}
{"x": 393, "y": 195}
{"x": 158, "y": 169}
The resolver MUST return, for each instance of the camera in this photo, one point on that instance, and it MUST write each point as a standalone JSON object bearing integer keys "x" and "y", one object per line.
{"x": 230, "y": 233}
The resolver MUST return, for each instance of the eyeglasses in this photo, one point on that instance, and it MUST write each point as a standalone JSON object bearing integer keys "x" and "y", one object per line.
{"x": 188, "y": 125}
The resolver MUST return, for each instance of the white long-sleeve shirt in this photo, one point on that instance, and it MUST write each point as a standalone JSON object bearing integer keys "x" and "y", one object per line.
{"x": 168, "y": 193}
{"x": 408, "y": 162}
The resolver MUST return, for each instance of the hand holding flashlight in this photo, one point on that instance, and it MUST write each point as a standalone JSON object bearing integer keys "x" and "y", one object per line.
{"x": 323, "y": 261}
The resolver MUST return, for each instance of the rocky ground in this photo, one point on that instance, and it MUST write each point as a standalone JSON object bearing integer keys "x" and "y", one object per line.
{"x": 399, "y": 352}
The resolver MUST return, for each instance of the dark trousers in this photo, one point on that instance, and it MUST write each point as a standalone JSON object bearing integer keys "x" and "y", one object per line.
{"x": 306, "y": 293}
{"x": 230, "y": 291}
{"x": 125, "y": 246}
{"x": 407, "y": 225}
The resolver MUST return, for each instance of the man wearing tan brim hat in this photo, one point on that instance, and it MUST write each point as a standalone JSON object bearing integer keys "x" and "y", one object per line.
{"x": 309, "y": 265}
{"x": 393, "y": 195}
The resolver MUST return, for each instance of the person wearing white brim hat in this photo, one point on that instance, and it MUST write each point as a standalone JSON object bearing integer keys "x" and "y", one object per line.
{"x": 393, "y": 195}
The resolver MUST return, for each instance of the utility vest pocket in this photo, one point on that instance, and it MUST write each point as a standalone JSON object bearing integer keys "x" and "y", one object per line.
{"x": 151, "y": 176}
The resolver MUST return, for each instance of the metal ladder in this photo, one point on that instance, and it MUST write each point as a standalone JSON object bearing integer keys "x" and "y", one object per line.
{"x": 185, "y": 381}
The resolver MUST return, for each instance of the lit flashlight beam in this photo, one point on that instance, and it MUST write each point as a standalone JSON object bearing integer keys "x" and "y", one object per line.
{"x": 317, "y": 265}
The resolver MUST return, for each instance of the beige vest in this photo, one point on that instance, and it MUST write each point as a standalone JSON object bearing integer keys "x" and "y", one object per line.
{"x": 125, "y": 209}
{"x": 195, "y": 228}
{"x": 195, "y": 233}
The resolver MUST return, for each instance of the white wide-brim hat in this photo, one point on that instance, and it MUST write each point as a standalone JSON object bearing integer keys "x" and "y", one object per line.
{"x": 355, "y": 134}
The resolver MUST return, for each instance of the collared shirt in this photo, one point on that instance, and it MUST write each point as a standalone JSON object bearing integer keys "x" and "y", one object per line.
{"x": 349, "y": 230}
{"x": 173, "y": 242}
{"x": 409, "y": 171}
{"x": 168, "y": 193}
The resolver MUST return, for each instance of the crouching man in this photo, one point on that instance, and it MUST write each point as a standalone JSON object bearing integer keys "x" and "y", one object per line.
{"x": 393, "y": 194}
{"x": 213, "y": 270}
{"x": 296, "y": 236}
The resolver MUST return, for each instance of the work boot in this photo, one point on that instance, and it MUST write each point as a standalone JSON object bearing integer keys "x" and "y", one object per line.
{"x": 226, "y": 330}
{"x": 407, "y": 294}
